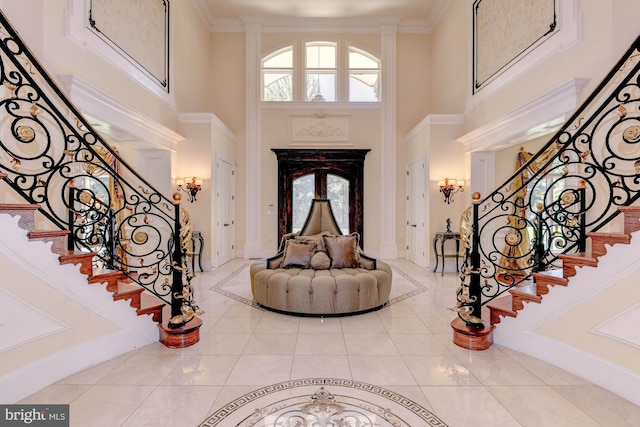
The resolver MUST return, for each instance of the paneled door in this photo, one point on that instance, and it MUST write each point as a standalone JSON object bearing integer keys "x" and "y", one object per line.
{"x": 225, "y": 223}
{"x": 416, "y": 244}
{"x": 306, "y": 174}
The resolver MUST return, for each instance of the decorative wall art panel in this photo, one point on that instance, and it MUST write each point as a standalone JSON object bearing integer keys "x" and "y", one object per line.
{"x": 321, "y": 128}
{"x": 137, "y": 29}
{"x": 504, "y": 31}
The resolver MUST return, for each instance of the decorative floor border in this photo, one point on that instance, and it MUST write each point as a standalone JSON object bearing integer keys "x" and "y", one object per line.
{"x": 218, "y": 288}
{"x": 239, "y": 403}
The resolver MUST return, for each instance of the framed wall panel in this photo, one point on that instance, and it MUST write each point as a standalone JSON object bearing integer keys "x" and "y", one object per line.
{"x": 505, "y": 32}
{"x": 138, "y": 31}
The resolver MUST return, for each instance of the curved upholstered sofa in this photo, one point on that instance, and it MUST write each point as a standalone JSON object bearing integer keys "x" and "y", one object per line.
{"x": 321, "y": 272}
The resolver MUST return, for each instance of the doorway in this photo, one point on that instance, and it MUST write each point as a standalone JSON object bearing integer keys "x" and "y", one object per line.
{"x": 337, "y": 175}
{"x": 416, "y": 234}
{"x": 225, "y": 199}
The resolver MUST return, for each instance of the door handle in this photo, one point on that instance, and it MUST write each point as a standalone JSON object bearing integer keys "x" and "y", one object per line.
{"x": 226, "y": 225}
{"x": 413, "y": 225}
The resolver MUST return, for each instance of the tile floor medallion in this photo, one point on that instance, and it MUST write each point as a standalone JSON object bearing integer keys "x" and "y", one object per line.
{"x": 234, "y": 286}
{"x": 322, "y": 402}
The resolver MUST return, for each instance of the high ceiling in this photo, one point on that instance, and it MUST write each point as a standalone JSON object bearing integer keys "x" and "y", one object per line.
{"x": 221, "y": 12}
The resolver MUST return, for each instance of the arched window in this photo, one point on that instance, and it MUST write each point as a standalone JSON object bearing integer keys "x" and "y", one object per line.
{"x": 364, "y": 76}
{"x": 277, "y": 76}
{"x": 321, "y": 71}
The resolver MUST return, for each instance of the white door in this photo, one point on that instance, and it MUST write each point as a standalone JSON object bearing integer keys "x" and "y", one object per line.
{"x": 416, "y": 244}
{"x": 225, "y": 223}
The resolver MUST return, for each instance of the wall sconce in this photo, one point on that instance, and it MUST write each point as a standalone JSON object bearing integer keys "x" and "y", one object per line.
{"x": 193, "y": 185}
{"x": 449, "y": 187}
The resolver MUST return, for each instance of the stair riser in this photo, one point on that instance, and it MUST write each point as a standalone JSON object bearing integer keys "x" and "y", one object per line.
{"x": 631, "y": 219}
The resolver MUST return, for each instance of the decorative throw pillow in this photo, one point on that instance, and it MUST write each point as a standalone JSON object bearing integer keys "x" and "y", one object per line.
{"x": 315, "y": 238}
{"x": 298, "y": 254}
{"x": 320, "y": 261}
{"x": 343, "y": 250}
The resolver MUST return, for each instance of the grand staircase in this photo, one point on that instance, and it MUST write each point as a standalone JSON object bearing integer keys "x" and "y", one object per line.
{"x": 114, "y": 281}
{"x": 534, "y": 290}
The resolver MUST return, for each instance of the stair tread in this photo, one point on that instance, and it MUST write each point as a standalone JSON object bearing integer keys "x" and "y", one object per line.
{"x": 523, "y": 291}
{"x": 134, "y": 293}
{"x": 503, "y": 304}
{"x": 70, "y": 255}
{"x": 47, "y": 233}
{"x": 629, "y": 208}
{"x": 19, "y": 206}
{"x": 611, "y": 235}
{"x": 580, "y": 256}
{"x": 551, "y": 273}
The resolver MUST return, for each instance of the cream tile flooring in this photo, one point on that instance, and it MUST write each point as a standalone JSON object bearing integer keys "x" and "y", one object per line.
{"x": 405, "y": 347}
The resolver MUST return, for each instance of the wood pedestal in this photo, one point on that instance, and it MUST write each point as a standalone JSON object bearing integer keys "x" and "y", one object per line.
{"x": 471, "y": 338}
{"x": 184, "y": 336}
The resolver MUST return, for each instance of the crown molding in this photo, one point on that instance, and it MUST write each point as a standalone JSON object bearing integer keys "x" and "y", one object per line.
{"x": 207, "y": 118}
{"x": 435, "y": 119}
{"x": 129, "y": 122}
{"x": 539, "y": 117}
{"x": 317, "y": 25}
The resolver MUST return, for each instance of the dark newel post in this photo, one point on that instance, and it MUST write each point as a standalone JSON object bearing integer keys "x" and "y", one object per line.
{"x": 177, "y": 286}
{"x": 582, "y": 243}
{"x": 538, "y": 250}
{"x": 71, "y": 238}
{"x": 475, "y": 291}
{"x": 111, "y": 238}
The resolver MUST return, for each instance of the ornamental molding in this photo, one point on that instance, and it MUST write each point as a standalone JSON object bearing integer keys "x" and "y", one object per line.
{"x": 320, "y": 128}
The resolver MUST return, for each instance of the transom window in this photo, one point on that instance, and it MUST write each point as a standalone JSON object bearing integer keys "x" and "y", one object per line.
{"x": 277, "y": 75}
{"x": 328, "y": 72}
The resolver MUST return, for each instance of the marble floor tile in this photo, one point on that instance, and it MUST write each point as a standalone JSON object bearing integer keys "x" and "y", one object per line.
{"x": 498, "y": 369}
{"x": 382, "y": 370}
{"x": 189, "y": 406}
{"x": 266, "y": 343}
{"x": 277, "y": 323}
{"x": 608, "y": 409}
{"x": 440, "y": 370}
{"x": 368, "y": 323}
{"x": 220, "y": 344}
{"x": 201, "y": 370}
{"x": 320, "y": 366}
{"x": 95, "y": 373}
{"x": 142, "y": 370}
{"x": 419, "y": 345}
{"x": 234, "y": 325}
{"x": 406, "y": 347}
{"x": 549, "y": 374}
{"x": 320, "y": 325}
{"x": 57, "y": 394}
{"x": 405, "y": 325}
{"x": 107, "y": 405}
{"x": 470, "y": 406}
{"x": 260, "y": 370}
{"x": 370, "y": 344}
{"x": 540, "y": 406}
{"x": 321, "y": 344}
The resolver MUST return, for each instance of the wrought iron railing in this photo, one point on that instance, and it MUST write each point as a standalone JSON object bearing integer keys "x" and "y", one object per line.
{"x": 571, "y": 187}
{"x": 53, "y": 158}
